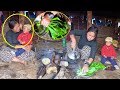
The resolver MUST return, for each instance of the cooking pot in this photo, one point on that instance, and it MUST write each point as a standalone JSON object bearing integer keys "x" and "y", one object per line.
{"x": 74, "y": 54}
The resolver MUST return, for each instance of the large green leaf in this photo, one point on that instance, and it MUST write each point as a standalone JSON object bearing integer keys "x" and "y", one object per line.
{"x": 94, "y": 67}
{"x": 57, "y": 28}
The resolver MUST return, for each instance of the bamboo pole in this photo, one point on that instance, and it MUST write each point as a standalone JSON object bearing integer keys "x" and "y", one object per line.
{"x": 89, "y": 19}
{"x": 21, "y": 18}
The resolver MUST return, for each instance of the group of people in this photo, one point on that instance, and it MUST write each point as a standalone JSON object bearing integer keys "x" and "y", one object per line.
{"x": 19, "y": 37}
{"x": 20, "y": 40}
{"x": 87, "y": 45}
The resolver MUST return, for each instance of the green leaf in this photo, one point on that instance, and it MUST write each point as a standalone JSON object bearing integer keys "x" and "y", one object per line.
{"x": 94, "y": 67}
{"x": 57, "y": 28}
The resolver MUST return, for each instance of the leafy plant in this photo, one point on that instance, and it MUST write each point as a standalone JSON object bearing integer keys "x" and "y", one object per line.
{"x": 94, "y": 67}
{"x": 39, "y": 29}
{"x": 57, "y": 28}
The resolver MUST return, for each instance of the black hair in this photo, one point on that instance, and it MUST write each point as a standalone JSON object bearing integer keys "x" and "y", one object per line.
{"x": 48, "y": 13}
{"x": 12, "y": 23}
{"x": 93, "y": 29}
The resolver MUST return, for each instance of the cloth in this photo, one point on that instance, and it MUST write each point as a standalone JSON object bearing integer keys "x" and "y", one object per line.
{"x": 6, "y": 55}
{"x": 109, "y": 39}
{"x": 25, "y": 37}
{"x": 108, "y": 51}
{"x": 28, "y": 26}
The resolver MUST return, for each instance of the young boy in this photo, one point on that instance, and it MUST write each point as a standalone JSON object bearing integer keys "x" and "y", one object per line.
{"x": 108, "y": 53}
{"x": 24, "y": 38}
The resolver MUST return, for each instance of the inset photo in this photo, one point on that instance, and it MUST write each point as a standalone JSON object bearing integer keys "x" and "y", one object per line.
{"x": 52, "y": 25}
{"x": 17, "y": 30}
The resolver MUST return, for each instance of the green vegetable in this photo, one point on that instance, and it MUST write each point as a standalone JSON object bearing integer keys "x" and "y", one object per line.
{"x": 57, "y": 28}
{"x": 39, "y": 29}
{"x": 94, "y": 67}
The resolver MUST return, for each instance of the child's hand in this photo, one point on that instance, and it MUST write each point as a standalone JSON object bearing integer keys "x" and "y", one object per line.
{"x": 22, "y": 42}
{"x": 105, "y": 56}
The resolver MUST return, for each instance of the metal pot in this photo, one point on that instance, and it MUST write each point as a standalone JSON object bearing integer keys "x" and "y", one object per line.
{"x": 73, "y": 55}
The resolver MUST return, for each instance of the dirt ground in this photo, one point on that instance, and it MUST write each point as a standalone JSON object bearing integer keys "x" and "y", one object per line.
{"x": 19, "y": 71}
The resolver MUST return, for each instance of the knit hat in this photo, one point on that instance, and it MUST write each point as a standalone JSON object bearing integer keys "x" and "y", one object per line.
{"x": 115, "y": 43}
{"x": 28, "y": 26}
{"x": 109, "y": 39}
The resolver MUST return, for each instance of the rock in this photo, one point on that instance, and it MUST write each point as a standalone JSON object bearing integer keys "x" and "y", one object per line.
{"x": 51, "y": 69}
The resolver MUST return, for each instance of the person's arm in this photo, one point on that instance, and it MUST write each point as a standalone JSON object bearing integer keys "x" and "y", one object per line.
{"x": 74, "y": 33}
{"x": 73, "y": 43}
{"x": 19, "y": 39}
{"x": 9, "y": 39}
{"x": 113, "y": 53}
{"x": 29, "y": 38}
{"x": 103, "y": 51}
{"x": 91, "y": 58}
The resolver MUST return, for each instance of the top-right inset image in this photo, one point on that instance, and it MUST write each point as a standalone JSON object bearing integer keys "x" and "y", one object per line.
{"x": 52, "y": 25}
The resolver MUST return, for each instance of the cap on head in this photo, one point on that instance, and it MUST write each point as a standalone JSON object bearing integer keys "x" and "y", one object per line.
{"x": 28, "y": 26}
{"x": 109, "y": 39}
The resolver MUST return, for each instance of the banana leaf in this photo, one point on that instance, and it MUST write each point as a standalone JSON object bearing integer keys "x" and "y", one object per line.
{"x": 57, "y": 28}
{"x": 93, "y": 68}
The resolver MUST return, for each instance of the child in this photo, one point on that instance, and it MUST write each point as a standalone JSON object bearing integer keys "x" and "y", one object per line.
{"x": 0, "y": 26}
{"x": 108, "y": 53}
{"x": 24, "y": 38}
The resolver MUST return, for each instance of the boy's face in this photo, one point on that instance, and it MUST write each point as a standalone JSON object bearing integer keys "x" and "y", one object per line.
{"x": 25, "y": 29}
{"x": 108, "y": 43}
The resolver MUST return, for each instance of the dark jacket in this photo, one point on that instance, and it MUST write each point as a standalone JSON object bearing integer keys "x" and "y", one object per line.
{"x": 11, "y": 37}
{"x": 83, "y": 41}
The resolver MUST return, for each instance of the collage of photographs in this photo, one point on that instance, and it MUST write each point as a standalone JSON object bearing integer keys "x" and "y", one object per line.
{"x": 59, "y": 45}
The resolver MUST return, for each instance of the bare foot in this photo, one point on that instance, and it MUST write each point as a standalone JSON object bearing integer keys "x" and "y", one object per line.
{"x": 15, "y": 59}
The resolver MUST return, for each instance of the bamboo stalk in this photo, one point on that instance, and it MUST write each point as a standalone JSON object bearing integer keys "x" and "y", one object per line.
{"x": 21, "y": 18}
{"x": 89, "y": 19}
